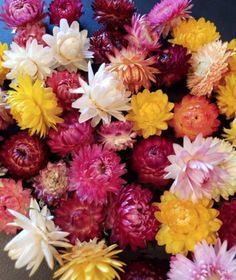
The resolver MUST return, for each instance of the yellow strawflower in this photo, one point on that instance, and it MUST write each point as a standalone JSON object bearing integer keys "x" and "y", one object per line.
{"x": 3, "y": 71}
{"x": 33, "y": 106}
{"x": 193, "y": 34}
{"x": 230, "y": 133}
{"x": 90, "y": 260}
{"x": 232, "y": 61}
{"x": 184, "y": 223}
{"x": 226, "y": 98}
{"x": 150, "y": 112}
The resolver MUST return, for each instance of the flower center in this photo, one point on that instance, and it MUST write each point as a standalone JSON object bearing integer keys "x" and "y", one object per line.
{"x": 29, "y": 67}
{"x": 214, "y": 276}
{"x": 70, "y": 48}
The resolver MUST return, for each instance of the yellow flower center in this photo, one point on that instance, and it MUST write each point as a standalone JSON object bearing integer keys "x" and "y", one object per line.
{"x": 70, "y": 48}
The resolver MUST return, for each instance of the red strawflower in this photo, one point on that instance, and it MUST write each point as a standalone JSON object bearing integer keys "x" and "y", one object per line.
{"x": 29, "y": 33}
{"x": 17, "y": 13}
{"x": 228, "y": 218}
{"x": 96, "y": 172}
{"x": 113, "y": 13}
{"x": 103, "y": 43}
{"x": 71, "y": 10}
{"x": 23, "y": 155}
{"x": 131, "y": 217}
{"x": 82, "y": 220}
{"x": 195, "y": 115}
{"x": 52, "y": 182}
{"x": 70, "y": 135}
{"x": 173, "y": 64}
{"x": 117, "y": 135}
{"x": 149, "y": 159}
{"x": 61, "y": 83}
{"x": 12, "y": 196}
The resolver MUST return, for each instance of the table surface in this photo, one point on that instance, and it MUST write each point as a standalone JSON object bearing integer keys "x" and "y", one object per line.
{"x": 218, "y": 11}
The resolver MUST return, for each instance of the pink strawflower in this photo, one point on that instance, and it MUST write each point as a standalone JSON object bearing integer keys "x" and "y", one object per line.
{"x": 168, "y": 14}
{"x": 70, "y": 135}
{"x": 117, "y": 135}
{"x": 17, "y": 13}
{"x": 71, "y": 10}
{"x": 208, "y": 263}
{"x": 82, "y": 220}
{"x": 12, "y": 196}
{"x": 52, "y": 182}
{"x": 196, "y": 168}
{"x": 131, "y": 217}
{"x": 141, "y": 35}
{"x": 150, "y": 158}
{"x": 61, "y": 83}
{"x": 95, "y": 173}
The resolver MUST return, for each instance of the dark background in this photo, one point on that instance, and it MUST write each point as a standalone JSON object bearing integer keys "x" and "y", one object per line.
{"x": 223, "y": 13}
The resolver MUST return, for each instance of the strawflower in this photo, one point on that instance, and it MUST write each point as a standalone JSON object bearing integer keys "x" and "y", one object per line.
{"x": 232, "y": 61}
{"x": 3, "y": 70}
{"x": 230, "y": 133}
{"x": 5, "y": 117}
{"x": 33, "y": 106}
{"x": 184, "y": 223}
{"x": 193, "y": 34}
{"x": 150, "y": 112}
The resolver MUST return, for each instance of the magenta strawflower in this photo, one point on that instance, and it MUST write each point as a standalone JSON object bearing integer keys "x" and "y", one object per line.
{"x": 12, "y": 196}
{"x": 70, "y": 135}
{"x": 17, "y": 13}
{"x": 168, "y": 14}
{"x": 95, "y": 173}
{"x": 82, "y": 220}
{"x": 150, "y": 158}
{"x": 173, "y": 64}
{"x": 208, "y": 263}
{"x": 61, "y": 83}
{"x": 131, "y": 217}
{"x": 52, "y": 182}
{"x": 117, "y": 135}
{"x": 29, "y": 33}
{"x": 71, "y": 10}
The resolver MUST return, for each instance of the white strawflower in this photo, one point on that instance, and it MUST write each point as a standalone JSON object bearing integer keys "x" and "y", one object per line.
{"x": 103, "y": 97}
{"x": 34, "y": 60}
{"x": 70, "y": 46}
{"x": 37, "y": 240}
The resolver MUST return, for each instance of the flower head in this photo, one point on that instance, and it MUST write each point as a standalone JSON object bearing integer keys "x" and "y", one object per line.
{"x": 208, "y": 262}
{"x": 194, "y": 115}
{"x": 150, "y": 158}
{"x": 68, "y": 9}
{"x": 150, "y": 112}
{"x": 113, "y": 13}
{"x": 230, "y": 134}
{"x": 70, "y": 46}
{"x": 173, "y": 64}
{"x": 90, "y": 260}
{"x": 34, "y": 60}
{"x": 167, "y": 14}
{"x": 29, "y": 33}
{"x": 33, "y": 106}
{"x": 232, "y": 61}
{"x": 184, "y": 223}
{"x": 196, "y": 168}
{"x": 131, "y": 217}
{"x": 3, "y": 70}
{"x": 96, "y": 172}
{"x": 117, "y": 135}
{"x": 23, "y": 155}
{"x": 103, "y": 97}
{"x": 133, "y": 68}
{"x": 82, "y": 220}
{"x": 52, "y": 182}
{"x": 141, "y": 35}
{"x": 5, "y": 117}
{"x": 17, "y": 13}
{"x": 208, "y": 66}
{"x": 70, "y": 136}
{"x": 193, "y": 34}
{"x": 226, "y": 97}
{"x": 12, "y": 196}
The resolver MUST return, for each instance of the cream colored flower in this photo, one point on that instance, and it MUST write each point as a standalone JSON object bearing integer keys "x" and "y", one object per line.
{"x": 34, "y": 60}
{"x": 37, "y": 240}
{"x": 103, "y": 97}
{"x": 70, "y": 46}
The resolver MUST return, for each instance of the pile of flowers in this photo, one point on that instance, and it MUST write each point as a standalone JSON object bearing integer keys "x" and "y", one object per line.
{"x": 96, "y": 162}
